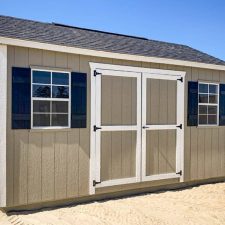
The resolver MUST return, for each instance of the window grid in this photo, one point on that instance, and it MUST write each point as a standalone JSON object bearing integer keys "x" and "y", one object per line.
{"x": 51, "y": 99}
{"x": 208, "y": 104}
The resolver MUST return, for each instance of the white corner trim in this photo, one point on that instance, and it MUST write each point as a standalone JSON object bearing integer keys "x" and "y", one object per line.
{"x": 89, "y": 52}
{"x": 3, "y": 111}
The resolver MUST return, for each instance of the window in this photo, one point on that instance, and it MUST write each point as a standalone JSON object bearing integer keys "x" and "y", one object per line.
{"x": 50, "y": 94}
{"x": 208, "y": 107}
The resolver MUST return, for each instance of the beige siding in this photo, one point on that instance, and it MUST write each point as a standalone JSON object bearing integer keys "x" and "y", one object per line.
{"x": 46, "y": 165}
{"x": 50, "y": 165}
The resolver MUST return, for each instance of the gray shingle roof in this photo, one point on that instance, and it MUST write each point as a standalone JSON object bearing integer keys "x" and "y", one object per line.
{"x": 97, "y": 40}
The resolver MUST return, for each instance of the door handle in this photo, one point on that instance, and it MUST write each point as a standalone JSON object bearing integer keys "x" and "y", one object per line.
{"x": 144, "y": 127}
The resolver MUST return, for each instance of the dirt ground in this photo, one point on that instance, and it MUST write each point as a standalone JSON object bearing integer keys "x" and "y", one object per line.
{"x": 203, "y": 205}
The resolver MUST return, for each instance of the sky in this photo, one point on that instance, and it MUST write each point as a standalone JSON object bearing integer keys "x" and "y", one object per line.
{"x": 197, "y": 23}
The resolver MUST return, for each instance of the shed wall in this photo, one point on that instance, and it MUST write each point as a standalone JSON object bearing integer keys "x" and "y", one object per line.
{"x": 53, "y": 165}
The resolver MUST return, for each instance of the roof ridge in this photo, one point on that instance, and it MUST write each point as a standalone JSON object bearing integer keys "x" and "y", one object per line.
{"x": 30, "y": 20}
{"x": 98, "y": 31}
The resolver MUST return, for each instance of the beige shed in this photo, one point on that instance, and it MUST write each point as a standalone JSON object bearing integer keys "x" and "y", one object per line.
{"x": 87, "y": 114}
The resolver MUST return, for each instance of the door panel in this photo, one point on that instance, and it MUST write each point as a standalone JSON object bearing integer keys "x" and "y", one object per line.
{"x": 118, "y": 154}
{"x": 118, "y": 117}
{"x": 118, "y": 101}
{"x": 162, "y": 126}
{"x": 160, "y": 152}
{"x": 161, "y": 101}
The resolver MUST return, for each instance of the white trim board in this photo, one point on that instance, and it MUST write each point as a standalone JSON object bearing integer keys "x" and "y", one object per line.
{"x": 179, "y": 132}
{"x": 95, "y": 152}
{"x": 3, "y": 119}
{"x": 141, "y": 74}
{"x": 89, "y": 52}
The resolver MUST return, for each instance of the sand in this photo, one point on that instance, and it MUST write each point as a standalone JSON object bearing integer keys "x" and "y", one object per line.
{"x": 203, "y": 205}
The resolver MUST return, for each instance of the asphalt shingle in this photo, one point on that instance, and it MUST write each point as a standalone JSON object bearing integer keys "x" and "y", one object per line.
{"x": 97, "y": 40}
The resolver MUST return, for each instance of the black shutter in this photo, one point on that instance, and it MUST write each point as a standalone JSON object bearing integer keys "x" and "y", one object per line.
{"x": 21, "y": 98}
{"x": 78, "y": 100}
{"x": 192, "y": 103}
{"x": 222, "y": 105}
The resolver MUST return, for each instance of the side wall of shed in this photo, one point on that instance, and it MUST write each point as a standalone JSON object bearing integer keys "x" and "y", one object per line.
{"x": 52, "y": 165}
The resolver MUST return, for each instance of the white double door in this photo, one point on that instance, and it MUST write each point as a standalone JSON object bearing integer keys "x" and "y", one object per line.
{"x": 137, "y": 126}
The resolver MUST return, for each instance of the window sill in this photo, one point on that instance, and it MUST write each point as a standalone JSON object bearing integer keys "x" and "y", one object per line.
{"x": 208, "y": 126}
{"x": 50, "y": 130}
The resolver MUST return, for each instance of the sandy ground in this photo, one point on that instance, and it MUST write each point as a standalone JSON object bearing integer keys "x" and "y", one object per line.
{"x": 203, "y": 205}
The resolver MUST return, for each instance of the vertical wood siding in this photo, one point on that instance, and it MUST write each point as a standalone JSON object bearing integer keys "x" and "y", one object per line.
{"x": 50, "y": 165}
{"x": 46, "y": 165}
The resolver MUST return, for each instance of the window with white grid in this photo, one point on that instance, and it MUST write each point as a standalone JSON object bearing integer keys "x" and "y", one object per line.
{"x": 50, "y": 94}
{"x": 208, "y": 103}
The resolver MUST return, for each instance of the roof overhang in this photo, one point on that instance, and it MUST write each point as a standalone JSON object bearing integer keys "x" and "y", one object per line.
{"x": 104, "y": 54}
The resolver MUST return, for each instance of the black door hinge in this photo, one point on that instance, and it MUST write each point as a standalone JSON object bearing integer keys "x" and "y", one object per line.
{"x": 144, "y": 127}
{"x": 96, "y": 73}
{"x": 180, "y": 173}
{"x": 96, "y": 128}
{"x": 180, "y": 79}
{"x": 180, "y": 126}
{"x": 96, "y": 182}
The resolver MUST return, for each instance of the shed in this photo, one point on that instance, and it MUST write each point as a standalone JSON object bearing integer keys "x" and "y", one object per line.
{"x": 87, "y": 114}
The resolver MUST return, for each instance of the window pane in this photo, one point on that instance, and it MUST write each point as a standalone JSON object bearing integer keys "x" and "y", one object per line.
{"x": 203, "y": 98}
{"x": 60, "y": 92}
{"x": 42, "y": 77}
{"x": 212, "y": 109}
{"x": 60, "y": 120}
{"x": 213, "y": 88}
{"x": 212, "y": 98}
{"x": 203, "y": 88}
{"x": 212, "y": 119}
{"x": 41, "y": 120}
{"x": 202, "y": 109}
{"x": 60, "y": 107}
{"x": 60, "y": 78}
{"x": 202, "y": 119}
{"x": 42, "y": 91}
{"x": 41, "y": 106}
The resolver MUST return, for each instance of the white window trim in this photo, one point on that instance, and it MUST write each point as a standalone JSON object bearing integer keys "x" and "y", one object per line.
{"x": 209, "y": 104}
{"x": 51, "y": 99}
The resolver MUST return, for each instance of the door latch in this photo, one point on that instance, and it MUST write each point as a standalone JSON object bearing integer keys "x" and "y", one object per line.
{"x": 96, "y": 128}
{"x": 96, "y": 182}
{"x": 144, "y": 127}
{"x": 180, "y": 173}
{"x": 180, "y": 126}
{"x": 180, "y": 79}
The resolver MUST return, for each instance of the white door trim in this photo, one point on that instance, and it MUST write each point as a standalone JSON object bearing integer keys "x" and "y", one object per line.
{"x": 95, "y": 156}
{"x": 180, "y": 132}
{"x": 156, "y": 72}
{"x": 129, "y": 71}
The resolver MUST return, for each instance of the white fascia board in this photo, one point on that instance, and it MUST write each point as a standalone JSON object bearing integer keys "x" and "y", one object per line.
{"x": 3, "y": 118}
{"x": 104, "y": 54}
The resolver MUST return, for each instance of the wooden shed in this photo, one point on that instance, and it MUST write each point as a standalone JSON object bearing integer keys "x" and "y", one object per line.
{"x": 87, "y": 114}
